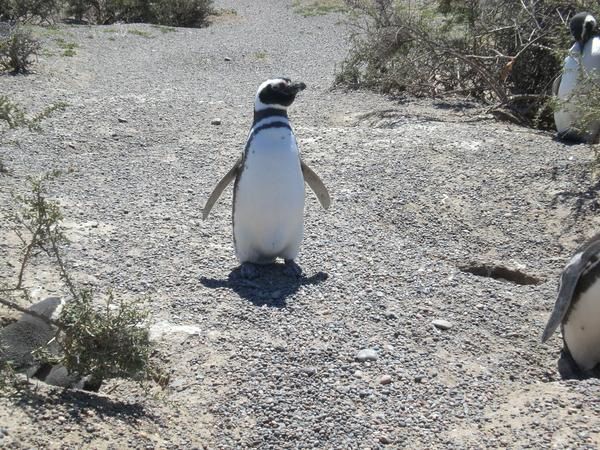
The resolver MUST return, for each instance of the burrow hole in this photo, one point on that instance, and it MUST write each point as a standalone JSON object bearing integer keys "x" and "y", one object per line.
{"x": 500, "y": 273}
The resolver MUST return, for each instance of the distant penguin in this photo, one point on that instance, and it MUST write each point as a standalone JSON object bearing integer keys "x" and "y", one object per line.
{"x": 577, "y": 311}
{"x": 20, "y": 339}
{"x": 582, "y": 61}
{"x": 268, "y": 197}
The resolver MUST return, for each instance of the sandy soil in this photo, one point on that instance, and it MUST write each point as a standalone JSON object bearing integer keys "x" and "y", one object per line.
{"x": 424, "y": 193}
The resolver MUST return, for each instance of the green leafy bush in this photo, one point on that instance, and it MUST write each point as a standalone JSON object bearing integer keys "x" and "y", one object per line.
{"x": 14, "y": 116}
{"x": 11, "y": 114}
{"x": 17, "y": 49}
{"x": 96, "y": 342}
{"x": 500, "y": 51}
{"x": 106, "y": 342}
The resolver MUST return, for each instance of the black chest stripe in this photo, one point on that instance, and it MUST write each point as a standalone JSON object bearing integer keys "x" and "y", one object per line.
{"x": 271, "y": 125}
{"x": 269, "y": 112}
{"x": 589, "y": 275}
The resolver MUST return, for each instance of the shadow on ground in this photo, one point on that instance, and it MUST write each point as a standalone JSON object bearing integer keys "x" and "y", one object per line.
{"x": 75, "y": 401}
{"x": 272, "y": 287}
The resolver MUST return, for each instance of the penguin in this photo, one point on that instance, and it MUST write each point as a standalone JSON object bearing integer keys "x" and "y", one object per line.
{"x": 20, "y": 339}
{"x": 582, "y": 61}
{"x": 577, "y": 311}
{"x": 582, "y": 26}
{"x": 268, "y": 195}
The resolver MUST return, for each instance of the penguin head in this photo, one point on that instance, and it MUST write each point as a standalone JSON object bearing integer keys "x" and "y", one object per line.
{"x": 278, "y": 93}
{"x": 583, "y": 27}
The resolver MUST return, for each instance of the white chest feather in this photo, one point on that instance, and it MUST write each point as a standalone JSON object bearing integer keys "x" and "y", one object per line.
{"x": 577, "y": 67}
{"x": 269, "y": 199}
{"x": 582, "y": 331}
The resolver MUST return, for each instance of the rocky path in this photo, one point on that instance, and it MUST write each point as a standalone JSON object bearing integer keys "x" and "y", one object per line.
{"x": 424, "y": 193}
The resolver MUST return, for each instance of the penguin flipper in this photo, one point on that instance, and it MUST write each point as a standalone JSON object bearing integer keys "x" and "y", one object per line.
{"x": 220, "y": 187}
{"x": 556, "y": 85}
{"x": 568, "y": 284}
{"x": 315, "y": 183}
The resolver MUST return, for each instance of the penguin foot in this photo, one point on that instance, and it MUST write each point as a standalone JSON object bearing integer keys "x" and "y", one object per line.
{"x": 248, "y": 271}
{"x": 567, "y": 367}
{"x": 292, "y": 269}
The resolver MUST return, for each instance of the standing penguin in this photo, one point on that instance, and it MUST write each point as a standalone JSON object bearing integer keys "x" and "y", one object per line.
{"x": 577, "y": 311}
{"x": 583, "y": 61}
{"x": 268, "y": 196}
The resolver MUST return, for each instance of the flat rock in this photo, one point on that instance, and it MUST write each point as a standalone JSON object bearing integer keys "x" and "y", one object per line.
{"x": 366, "y": 354}
{"x": 385, "y": 379}
{"x": 161, "y": 329}
{"x": 441, "y": 324}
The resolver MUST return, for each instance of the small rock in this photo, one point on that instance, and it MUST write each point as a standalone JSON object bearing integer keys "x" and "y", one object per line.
{"x": 310, "y": 371}
{"x": 385, "y": 379}
{"x": 215, "y": 121}
{"x": 121, "y": 120}
{"x": 419, "y": 378}
{"x": 442, "y": 324}
{"x": 385, "y": 440}
{"x": 227, "y": 58}
{"x": 178, "y": 385}
{"x": 366, "y": 354}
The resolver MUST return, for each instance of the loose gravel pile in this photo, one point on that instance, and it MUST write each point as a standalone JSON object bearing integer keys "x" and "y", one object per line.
{"x": 391, "y": 339}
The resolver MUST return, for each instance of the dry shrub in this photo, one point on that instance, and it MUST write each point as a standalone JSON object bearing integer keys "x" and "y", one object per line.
{"x": 18, "y": 47}
{"x": 505, "y": 52}
{"x": 183, "y": 13}
{"x": 29, "y": 10}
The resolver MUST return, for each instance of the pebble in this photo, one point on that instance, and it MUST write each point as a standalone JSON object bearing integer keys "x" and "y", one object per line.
{"x": 310, "y": 371}
{"x": 227, "y": 58}
{"x": 215, "y": 121}
{"x": 419, "y": 378}
{"x": 442, "y": 324}
{"x": 385, "y": 440}
{"x": 178, "y": 385}
{"x": 121, "y": 120}
{"x": 366, "y": 354}
{"x": 385, "y": 379}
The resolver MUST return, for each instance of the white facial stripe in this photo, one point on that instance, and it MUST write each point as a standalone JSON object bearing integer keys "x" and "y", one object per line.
{"x": 57, "y": 312}
{"x": 258, "y": 105}
{"x": 589, "y": 19}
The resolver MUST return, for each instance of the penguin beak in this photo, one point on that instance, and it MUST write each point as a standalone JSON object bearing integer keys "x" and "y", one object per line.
{"x": 294, "y": 88}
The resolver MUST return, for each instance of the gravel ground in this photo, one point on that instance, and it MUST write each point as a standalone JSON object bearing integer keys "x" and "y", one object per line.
{"x": 424, "y": 193}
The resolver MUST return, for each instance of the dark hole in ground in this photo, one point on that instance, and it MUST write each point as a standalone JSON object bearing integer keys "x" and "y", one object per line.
{"x": 500, "y": 273}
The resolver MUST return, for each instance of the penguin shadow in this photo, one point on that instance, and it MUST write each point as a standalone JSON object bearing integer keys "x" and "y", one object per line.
{"x": 569, "y": 139}
{"x": 454, "y": 105}
{"x": 271, "y": 287}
